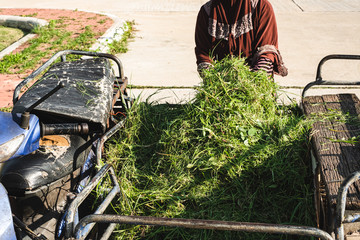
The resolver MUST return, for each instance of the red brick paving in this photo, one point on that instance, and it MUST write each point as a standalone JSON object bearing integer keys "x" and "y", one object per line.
{"x": 73, "y": 21}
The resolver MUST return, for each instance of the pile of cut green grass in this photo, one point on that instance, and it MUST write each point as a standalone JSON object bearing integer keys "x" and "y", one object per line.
{"x": 231, "y": 154}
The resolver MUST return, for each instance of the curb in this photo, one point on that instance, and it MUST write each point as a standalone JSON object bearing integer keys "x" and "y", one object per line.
{"x": 25, "y": 23}
{"x": 114, "y": 33}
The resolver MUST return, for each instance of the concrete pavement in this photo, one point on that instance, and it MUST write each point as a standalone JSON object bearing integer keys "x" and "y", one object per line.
{"x": 162, "y": 53}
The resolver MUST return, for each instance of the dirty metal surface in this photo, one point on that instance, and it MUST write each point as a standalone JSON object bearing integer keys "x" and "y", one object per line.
{"x": 335, "y": 137}
{"x": 86, "y": 97}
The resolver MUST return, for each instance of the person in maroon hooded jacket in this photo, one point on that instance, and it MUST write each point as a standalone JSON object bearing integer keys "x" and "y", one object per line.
{"x": 244, "y": 28}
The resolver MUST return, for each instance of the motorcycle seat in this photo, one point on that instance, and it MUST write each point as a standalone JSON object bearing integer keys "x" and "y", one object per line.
{"x": 87, "y": 96}
{"x": 45, "y": 166}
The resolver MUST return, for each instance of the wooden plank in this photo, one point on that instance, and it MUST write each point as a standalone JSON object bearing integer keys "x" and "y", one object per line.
{"x": 347, "y": 151}
{"x": 336, "y": 155}
{"x": 314, "y": 107}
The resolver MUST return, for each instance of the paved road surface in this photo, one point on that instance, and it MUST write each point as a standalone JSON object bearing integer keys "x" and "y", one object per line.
{"x": 163, "y": 51}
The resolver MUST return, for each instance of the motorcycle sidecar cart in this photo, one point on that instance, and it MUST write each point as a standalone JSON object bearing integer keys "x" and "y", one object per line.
{"x": 336, "y": 154}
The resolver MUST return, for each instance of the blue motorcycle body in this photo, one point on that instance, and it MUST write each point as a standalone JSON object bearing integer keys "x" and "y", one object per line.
{"x": 26, "y": 140}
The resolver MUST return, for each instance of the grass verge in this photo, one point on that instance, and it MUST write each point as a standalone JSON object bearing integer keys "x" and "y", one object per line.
{"x": 54, "y": 38}
{"x": 51, "y": 39}
{"x": 121, "y": 46}
{"x": 8, "y": 36}
{"x": 231, "y": 154}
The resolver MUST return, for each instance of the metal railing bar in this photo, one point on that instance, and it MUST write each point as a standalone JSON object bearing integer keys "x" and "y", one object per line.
{"x": 205, "y": 224}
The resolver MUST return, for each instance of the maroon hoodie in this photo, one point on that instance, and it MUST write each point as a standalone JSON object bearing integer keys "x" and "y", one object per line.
{"x": 245, "y": 28}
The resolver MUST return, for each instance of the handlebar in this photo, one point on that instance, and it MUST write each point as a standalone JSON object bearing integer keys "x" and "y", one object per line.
{"x": 64, "y": 129}
{"x": 25, "y": 116}
{"x": 330, "y": 57}
{"x": 319, "y": 80}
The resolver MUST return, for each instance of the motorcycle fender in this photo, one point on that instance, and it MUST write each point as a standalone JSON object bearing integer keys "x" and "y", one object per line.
{"x": 7, "y": 226}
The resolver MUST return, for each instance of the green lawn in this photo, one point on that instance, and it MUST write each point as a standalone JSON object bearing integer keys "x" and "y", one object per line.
{"x": 9, "y": 35}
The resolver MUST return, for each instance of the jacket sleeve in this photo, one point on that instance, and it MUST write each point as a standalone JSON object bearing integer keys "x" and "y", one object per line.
{"x": 266, "y": 37}
{"x": 202, "y": 39}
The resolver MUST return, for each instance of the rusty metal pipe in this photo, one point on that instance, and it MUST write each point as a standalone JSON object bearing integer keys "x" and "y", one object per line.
{"x": 341, "y": 204}
{"x": 111, "y": 195}
{"x": 105, "y": 137}
{"x": 204, "y": 224}
{"x": 81, "y": 197}
{"x": 108, "y": 231}
{"x": 319, "y": 80}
